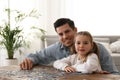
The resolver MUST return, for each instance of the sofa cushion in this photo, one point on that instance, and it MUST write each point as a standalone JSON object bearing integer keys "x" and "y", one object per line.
{"x": 116, "y": 59}
{"x": 102, "y": 40}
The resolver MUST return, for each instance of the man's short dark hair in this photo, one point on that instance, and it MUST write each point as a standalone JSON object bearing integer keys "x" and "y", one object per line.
{"x": 62, "y": 21}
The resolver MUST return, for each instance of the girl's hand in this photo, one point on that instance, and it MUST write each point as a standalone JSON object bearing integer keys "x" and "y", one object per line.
{"x": 104, "y": 72}
{"x": 69, "y": 69}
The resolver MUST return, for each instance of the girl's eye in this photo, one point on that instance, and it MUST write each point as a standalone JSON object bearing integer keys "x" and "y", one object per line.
{"x": 82, "y": 43}
{"x": 85, "y": 42}
{"x": 77, "y": 43}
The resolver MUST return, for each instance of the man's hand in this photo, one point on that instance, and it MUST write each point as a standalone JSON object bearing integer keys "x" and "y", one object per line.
{"x": 26, "y": 64}
{"x": 69, "y": 69}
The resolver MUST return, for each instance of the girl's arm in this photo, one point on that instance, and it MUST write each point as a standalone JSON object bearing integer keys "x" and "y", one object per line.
{"x": 63, "y": 63}
{"x": 91, "y": 65}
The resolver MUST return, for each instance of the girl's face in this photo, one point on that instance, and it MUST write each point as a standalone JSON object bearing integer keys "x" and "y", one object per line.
{"x": 82, "y": 44}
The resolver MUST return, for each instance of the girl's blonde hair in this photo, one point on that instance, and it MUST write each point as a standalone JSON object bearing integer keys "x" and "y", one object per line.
{"x": 95, "y": 47}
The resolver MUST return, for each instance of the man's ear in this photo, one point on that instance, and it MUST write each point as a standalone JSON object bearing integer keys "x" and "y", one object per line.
{"x": 75, "y": 29}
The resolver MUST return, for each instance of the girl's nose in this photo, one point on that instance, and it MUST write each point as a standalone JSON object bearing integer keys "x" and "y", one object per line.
{"x": 81, "y": 45}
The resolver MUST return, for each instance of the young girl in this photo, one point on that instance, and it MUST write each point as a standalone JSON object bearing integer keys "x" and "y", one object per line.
{"x": 86, "y": 58}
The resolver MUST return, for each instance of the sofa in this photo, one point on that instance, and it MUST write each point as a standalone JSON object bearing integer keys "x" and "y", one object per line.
{"x": 111, "y": 43}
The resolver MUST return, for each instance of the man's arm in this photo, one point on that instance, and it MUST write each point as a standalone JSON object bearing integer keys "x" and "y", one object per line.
{"x": 106, "y": 60}
{"x": 44, "y": 56}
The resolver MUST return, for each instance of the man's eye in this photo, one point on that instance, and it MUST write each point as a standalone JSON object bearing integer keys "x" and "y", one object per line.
{"x": 60, "y": 34}
{"x": 67, "y": 31}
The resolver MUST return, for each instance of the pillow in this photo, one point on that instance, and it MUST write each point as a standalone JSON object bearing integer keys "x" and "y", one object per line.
{"x": 102, "y": 40}
{"x": 115, "y": 46}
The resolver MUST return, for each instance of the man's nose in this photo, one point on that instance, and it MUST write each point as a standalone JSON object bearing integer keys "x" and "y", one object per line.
{"x": 65, "y": 36}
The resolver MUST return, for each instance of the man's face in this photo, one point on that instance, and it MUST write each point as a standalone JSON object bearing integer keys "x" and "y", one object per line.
{"x": 66, "y": 34}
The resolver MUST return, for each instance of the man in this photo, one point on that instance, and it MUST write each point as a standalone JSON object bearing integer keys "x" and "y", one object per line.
{"x": 66, "y": 31}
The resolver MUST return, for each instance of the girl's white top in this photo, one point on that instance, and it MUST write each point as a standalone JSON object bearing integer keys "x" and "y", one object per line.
{"x": 91, "y": 65}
